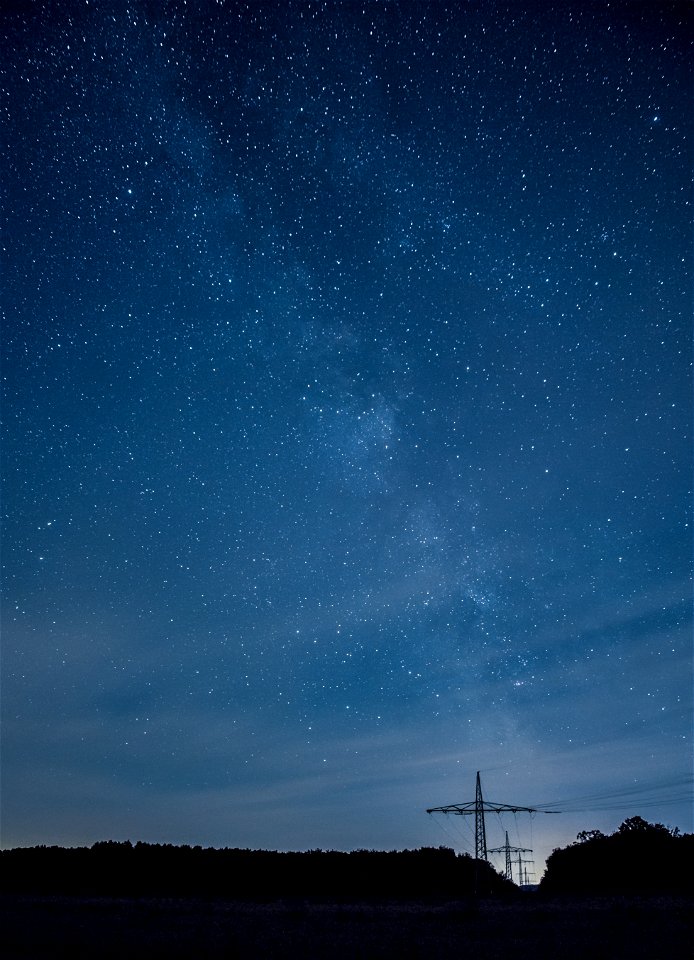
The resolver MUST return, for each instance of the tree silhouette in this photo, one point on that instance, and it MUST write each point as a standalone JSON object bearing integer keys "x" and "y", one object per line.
{"x": 110, "y": 868}
{"x": 638, "y": 858}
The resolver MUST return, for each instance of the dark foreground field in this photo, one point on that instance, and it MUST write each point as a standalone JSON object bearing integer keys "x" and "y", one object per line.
{"x": 638, "y": 929}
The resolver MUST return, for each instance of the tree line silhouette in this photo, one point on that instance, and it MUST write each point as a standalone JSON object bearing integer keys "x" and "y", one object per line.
{"x": 123, "y": 869}
{"x": 638, "y": 858}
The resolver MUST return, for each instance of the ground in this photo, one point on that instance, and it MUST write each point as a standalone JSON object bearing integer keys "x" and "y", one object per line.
{"x": 638, "y": 929}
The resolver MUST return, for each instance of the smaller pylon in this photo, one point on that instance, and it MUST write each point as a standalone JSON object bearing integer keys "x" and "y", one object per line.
{"x": 523, "y": 878}
{"x": 507, "y": 850}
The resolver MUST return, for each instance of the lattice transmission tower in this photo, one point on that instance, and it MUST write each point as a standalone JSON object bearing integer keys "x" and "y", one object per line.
{"x": 523, "y": 876}
{"x": 479, "y": 806}
{"x": 507, "y": 850}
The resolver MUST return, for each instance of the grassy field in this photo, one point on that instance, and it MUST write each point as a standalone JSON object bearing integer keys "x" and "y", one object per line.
{"x": 650, "y": 929}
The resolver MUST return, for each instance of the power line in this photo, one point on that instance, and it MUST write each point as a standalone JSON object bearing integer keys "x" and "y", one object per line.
{"x": 674, "y": 791}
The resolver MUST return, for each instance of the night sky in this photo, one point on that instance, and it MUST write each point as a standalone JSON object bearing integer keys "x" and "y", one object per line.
{"x": 346, "y": 421}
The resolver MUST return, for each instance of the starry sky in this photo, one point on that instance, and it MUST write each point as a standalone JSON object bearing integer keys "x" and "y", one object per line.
{"x": 346, "y": 419}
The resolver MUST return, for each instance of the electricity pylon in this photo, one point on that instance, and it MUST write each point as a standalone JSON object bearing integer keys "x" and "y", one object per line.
{"x": 507, "y": 850}
{"x": 523, "y": 878}
{"x": 479, "y": 807}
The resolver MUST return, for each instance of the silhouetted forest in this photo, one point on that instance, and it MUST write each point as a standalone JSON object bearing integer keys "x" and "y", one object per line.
{"x": 638, "y": 858}
{"x": 117, "y": 900}
{"x": 126, "y": 870}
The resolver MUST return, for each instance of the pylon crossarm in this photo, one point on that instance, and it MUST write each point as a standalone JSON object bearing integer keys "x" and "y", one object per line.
{"x": 512, "y": 849}
{"x": 463, "y": 808}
